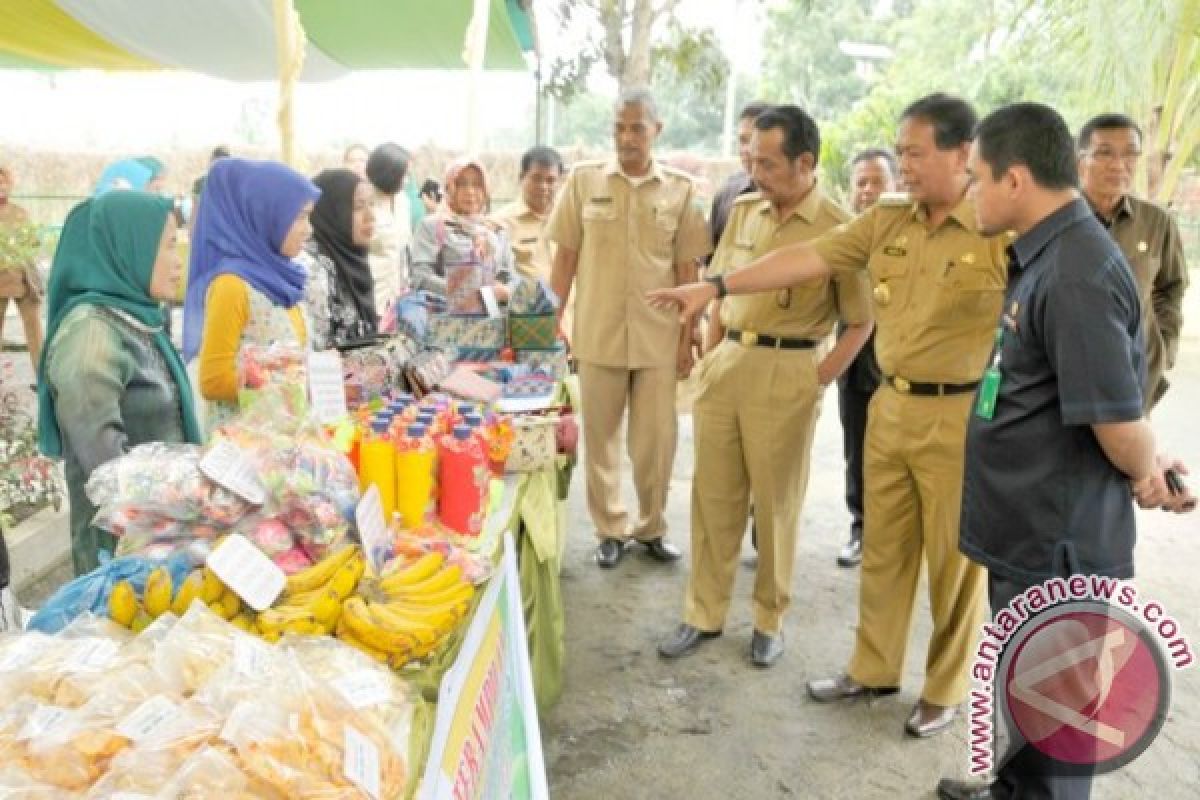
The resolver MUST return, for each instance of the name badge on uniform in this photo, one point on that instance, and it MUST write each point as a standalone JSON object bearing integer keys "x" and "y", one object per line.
{"x": 1143, "y": 247}
{"x": 892, "y": 250}
{"x": 530, "y": 240}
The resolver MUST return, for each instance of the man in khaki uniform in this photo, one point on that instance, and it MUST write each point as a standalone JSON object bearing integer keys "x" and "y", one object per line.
{"x": 625, "y": 227}
{"x": 937, "y": 285}
{"x": 760, "y": 391}
{"x": 526, "y": 217}
{"x": 1109, "y": 148}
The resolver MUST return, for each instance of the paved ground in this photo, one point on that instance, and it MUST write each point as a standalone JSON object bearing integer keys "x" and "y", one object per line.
{"x": 712, "y": 726}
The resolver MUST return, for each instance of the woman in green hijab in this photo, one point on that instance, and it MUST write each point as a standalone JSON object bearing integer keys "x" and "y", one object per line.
{"x": 109, "y": 377}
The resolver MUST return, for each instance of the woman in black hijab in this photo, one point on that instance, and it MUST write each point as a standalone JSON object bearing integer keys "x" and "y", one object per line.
{"x": 340, "y": 292}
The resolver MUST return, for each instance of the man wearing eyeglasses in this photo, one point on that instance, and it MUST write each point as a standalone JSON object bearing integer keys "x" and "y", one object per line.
{"x": 1110, "y": 146}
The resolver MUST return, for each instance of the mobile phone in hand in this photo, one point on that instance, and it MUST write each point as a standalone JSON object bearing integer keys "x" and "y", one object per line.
{"x": 1176, "y": 486}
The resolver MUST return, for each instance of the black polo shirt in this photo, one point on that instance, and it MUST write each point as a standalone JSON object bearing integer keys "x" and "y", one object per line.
{"x": 1040, "y": 498}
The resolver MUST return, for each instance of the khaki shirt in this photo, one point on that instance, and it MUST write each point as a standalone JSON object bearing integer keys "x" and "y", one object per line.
{"x": 937, "y": 293}
{"x": 629, "y": 240}
{"x": 527, "y": 232}
{"x": 807, "y": 311}
{"x": 1149, "y": 238}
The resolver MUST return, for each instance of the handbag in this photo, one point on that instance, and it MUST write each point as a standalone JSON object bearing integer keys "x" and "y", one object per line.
{"x": 533, "y": 331}
{"x": 535, "y": 443}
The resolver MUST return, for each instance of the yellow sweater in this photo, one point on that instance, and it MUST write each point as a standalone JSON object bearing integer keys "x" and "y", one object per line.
{"x": 226, "y": 313}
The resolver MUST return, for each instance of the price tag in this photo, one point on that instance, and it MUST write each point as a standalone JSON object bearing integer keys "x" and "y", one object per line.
{"x": 227, "y": 465}
{"x": 326, "y": 386}
{"x": 372, "y": 529}
{"x": 361, "y": 764}
{"x": 251, "y": 575}
{"x": 91, "y": 655}
{"x": 489, "y": 301}
{"x": 43, "y": 720}
{"x": 363, "y": 688}
{"x": 250, "y": 657}
{"x": 152, "y": 718}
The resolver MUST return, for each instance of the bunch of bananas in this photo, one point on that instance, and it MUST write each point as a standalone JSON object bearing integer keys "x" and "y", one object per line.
{"x": 127, "y": 609}
{"x": 407, "y": 614}
{"x": 312, "y": 600}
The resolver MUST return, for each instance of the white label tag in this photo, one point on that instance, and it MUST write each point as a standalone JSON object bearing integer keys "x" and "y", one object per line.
{"x": 361, "y": 764}
{"x": 372, "y": 529}
{"x": 489, "y": 301}
{"x": 326, "y": 386}
{"x": 227, "y": 465}
{"x": 91, "y": 655}
{"x": 363, "y": 688}
{"x": 251, "y": 657}
{"x": 247, "y": 571}
{"x": 43, "y": 720}
{"x": 152, "y": 718}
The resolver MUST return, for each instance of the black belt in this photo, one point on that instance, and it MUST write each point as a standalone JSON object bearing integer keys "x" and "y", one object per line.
{"x": 752, "y": 339}
{"x": 929, "y": 389}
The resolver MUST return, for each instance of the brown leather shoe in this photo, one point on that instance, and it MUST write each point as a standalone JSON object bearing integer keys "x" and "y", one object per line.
{"x": 928, "y": 719}
{"x": 843, "y": 687}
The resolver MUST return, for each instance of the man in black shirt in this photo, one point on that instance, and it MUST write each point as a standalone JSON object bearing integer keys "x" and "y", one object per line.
{"x": 1057, "y": 441}
{"x": 739, "y": 183}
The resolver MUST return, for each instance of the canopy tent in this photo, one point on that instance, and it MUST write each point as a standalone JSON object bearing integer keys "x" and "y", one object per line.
{"x": 245, "y": 40}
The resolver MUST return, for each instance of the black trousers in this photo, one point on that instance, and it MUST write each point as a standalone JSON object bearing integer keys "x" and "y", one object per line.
{"x": 1025, "y": 773}
{"x": 852, "y": 408}
{"x": 5, "y": 572}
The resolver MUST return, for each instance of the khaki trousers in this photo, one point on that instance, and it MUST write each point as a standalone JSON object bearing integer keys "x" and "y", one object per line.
{"x": 649, "y": 394}
{"x": 914, "y": 471}
{"x": 755, "y": 414}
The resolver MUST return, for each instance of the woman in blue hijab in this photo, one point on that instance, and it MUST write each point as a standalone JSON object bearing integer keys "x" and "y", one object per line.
{"x": 243, "y": 285}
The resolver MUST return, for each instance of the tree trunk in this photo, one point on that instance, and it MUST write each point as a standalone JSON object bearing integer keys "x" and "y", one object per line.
{"x": 638, "y": 70}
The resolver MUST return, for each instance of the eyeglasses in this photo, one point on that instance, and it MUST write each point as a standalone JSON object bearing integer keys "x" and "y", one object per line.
{"x": 1108, "y": 156}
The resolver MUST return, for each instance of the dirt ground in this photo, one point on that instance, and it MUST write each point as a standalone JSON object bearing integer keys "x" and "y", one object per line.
{"x": 631, "y": 725}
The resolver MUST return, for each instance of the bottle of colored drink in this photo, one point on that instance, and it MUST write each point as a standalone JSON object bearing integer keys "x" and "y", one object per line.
{"x": 416, "y": 473}
{"x": 462, "y": 481}
{"x": 377, "y": 458}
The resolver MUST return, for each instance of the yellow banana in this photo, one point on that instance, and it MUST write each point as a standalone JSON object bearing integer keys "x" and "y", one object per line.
{"x": 328, "y": 606}
{"x": 189, "y": 590}
{"x": 212, "y": 587}
{"x": 456, "y": 593}
{"x": 423, "y": 629}
{"x": 157, "y": 597}
{"x": 301, "y": 600}
{"x": 419, "y": 570}
{"x": 345, "y": 579}
{"x": 454, "y": 608}
{"x": 245, "y": 622}
{"x": 320, "y": 573}
{"x": 279, "y": 619}
{"x": 359, "y": 621}
{"x": 437, "y": 582}
{"x": 141, "y": 621}
{"x": 346, "y": 635}
{"x": 123, "y": 604}
{"x": 229, "y": 605}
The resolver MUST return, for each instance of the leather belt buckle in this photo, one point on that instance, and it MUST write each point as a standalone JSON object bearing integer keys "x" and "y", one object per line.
{"x": 748, "y": 338}
{"x": 901, "y": 385}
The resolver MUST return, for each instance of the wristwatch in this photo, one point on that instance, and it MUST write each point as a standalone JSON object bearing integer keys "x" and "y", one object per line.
{"x": 719, "y": 282}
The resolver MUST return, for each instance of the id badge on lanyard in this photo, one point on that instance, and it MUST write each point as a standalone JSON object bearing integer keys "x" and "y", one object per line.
{"x": 989, "y": 386}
